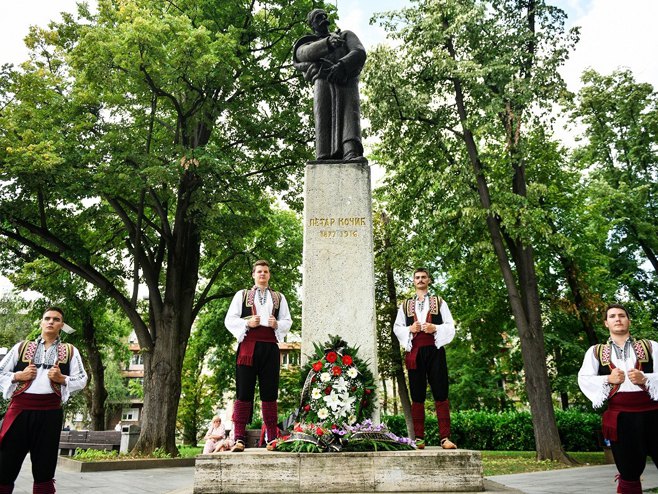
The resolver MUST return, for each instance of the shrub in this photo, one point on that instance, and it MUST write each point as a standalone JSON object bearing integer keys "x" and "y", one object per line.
{"x": 507, "y": 431}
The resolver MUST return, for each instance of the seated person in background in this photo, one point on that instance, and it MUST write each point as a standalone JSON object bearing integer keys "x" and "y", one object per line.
{"x": 225, "y": 444}
{"x": 216, "y": 433}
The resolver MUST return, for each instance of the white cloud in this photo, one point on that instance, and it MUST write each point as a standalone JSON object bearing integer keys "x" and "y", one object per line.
{"x": 16, "y": 19}
{"x": 616, "y": 34}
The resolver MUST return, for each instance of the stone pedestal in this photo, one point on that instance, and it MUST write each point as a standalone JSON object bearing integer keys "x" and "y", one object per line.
{"x": 338, "y": 272}
{"x": 429, "y": 470}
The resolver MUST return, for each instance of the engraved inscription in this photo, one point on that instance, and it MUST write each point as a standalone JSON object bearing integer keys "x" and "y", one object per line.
{"x": 341, "y": 227}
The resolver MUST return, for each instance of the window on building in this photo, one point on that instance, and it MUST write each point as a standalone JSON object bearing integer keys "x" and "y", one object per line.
{"x": 130, "y": 414}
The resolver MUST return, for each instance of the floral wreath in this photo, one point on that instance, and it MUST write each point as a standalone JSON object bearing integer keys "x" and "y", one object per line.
{"x": 338, "y": 397}
{"x": 338, "y": 387}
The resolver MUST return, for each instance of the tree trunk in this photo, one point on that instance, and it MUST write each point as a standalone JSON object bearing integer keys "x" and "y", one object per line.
{"x": 162, "y": 386}
{"x": 97, "y": 371}
{"x": 524, "y": 300}
{"x": 171, "y": 320}
{"x": 584, "y": 314}
{"x": 396, "y": 351}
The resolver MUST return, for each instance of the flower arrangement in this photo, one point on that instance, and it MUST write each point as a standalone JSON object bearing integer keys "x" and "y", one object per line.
{"x": 338, "y": 396}
{"x": 338, "y": 387}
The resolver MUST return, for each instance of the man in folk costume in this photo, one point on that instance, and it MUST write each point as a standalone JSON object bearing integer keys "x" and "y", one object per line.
{"x": 424, "y": 326}
{"x": 38, "y": 376}
{"x": 620, "y": 373}
{"x": 259, "y": 318}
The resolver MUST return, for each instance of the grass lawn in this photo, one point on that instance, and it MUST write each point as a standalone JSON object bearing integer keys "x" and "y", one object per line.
{"x": 508, "y": 462}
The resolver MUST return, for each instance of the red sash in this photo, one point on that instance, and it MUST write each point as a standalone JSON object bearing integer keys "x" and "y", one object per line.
{"x": 418, "y": 340}
{"x": 28, "y": 401}
{"x": 246, "y": 348}
{"x": 637, "y": 401}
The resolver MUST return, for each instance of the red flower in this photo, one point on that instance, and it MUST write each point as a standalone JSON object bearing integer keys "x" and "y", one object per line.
{"x": 336, "y": 371}
{"x": 317, "y": 367}
{"x": 368, "y": 391}
{"x": 298, "y": 428}
{"x": 364, "y": 402}
{"x": 327, "y": 390}
{"x": 353, "y": 389}
{"x": 307, "y": 408}
{"x": 332, "y": 357}
{"x": 347, "y": 360}
{"x": 319, "y": 431}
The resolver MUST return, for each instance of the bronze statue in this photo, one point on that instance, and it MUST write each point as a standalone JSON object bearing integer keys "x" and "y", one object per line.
{"x": 332, "y": 62}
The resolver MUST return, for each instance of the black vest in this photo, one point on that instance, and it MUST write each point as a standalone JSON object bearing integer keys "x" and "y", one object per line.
{"x": 248, "y": 302}
{"x": 434, "y": 312}
{"x": 26, "y": 352}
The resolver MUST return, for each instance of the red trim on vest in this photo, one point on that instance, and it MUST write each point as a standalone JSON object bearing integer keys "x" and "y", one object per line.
{"x": 26, "y": 355}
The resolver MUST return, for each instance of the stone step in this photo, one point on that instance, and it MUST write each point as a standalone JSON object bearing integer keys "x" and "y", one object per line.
{"x": 256, "y": 470}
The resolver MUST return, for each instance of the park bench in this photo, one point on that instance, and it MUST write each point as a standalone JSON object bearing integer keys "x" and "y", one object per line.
{"x": 69, "y": 441}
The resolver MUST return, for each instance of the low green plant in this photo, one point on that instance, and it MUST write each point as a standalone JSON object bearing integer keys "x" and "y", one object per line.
{"x": 507, "y": 431}
{"x": 94, "y": 455}
{"x": 98, "y": 455}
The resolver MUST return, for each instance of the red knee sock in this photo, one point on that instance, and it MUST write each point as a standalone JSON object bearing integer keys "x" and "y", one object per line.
{"x": 629, "y": 486}
{"x": 443, "y": 417}
{"x": 47, "y": 487}
{"x": 270, "y": 418}
{"x": 418, "y": 418}
{"x": 241, "y": 414}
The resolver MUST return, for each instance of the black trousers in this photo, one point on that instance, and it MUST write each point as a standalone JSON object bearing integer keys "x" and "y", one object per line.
{"x": 36, "y": 432}
{"x": 431, "y": 367}
{"x": 266, "y": 369}
{"x": 637, "y": 438}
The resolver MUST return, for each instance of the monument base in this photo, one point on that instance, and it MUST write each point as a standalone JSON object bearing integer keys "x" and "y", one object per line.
{"x": 259, "y": 470}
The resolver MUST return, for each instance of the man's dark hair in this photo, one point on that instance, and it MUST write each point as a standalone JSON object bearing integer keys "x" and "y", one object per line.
{"x": 54, "y": 309}
{"x": 422, "y": 270}
{"x": 616, "y": 306}
{"x": 260, "y": 262}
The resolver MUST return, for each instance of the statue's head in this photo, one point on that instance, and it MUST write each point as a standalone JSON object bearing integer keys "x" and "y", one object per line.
{"x": 318, "y": 20}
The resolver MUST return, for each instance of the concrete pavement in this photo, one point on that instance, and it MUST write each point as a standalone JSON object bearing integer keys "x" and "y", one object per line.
{"x": 180, "y": 480}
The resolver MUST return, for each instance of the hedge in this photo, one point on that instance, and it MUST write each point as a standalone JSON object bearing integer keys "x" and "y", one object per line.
{"x": 507, "y": 431}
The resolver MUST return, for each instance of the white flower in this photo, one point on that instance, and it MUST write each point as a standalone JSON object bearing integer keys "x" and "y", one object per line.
{"x": 325, "y": 377}
{"x": 341, "y": 385}
{"x": 316, "y": 393}
{"x": 346, "y": 401}
{"x": 333, "y": 401}
{"x": 351, "y": 419}
{"x": 323, "y": 413}
{"x": 352, "y": 372}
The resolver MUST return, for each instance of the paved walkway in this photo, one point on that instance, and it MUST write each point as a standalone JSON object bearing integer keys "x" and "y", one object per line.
{"x": 596, "y": 479}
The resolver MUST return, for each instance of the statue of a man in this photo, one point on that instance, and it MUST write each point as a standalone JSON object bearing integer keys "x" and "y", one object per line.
{"x": 332, "y": 62}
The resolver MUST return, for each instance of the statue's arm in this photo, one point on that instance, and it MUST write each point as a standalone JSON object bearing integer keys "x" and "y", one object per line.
{"x": 355, "y": 59}
{"x": 313, "y": 51}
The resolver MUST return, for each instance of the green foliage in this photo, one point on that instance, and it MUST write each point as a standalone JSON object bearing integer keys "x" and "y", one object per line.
{"x": 91, "y": 455}
{"x": 139, "y": 137}
{"x": 620, "y": 116}
{"x": 508, "y": 431}
{"x": 16, "y": 320}
{"x": 290, "y": 391}
{"x": 94, "y": 455}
